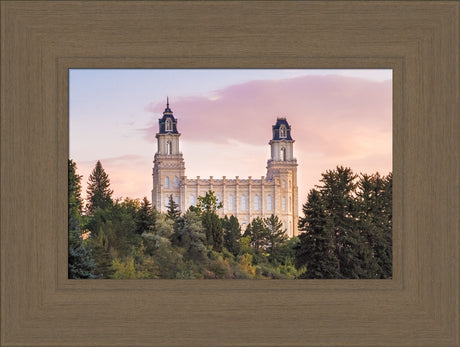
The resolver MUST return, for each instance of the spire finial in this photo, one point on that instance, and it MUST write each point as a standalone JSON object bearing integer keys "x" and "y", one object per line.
{"x": 167, "y": 102}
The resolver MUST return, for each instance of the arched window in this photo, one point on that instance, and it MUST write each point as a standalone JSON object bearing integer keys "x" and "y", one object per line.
{"x": 256, "y": 203}
{"x": 167, "y": 202}
{"x": 283, "y": 154}
{"x": 284, "y": 184}
{"x": 230, "y": 202}
{"x": 269, "y": 202}
{"x": 192, "y": 200}
{"x": 168, "y": 148}
{"x": 176, "y": 200}
{"x": 168, "y": 125}
{"x": 284, "y": 203}
{"x": 244, "y": 206}
{"x": 282, "y": 131}
{"x": 218, "y": 199}
{"x": 166, "y": 182}
{"x": 176, "y": 182}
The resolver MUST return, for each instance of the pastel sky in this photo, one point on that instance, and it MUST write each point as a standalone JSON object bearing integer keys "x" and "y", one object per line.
{"x": 337, "y": 117}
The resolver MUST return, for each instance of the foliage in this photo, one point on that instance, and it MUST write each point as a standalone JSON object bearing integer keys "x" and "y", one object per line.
{"x": 98, "y": 193}
{"x": 232, "y": 234}
{"x": 347, "y": 224}
{"x": 80, "y": 261}
{"x": 173, "y": 211}
{"x": 208, "y": 206}
{"x": 275, "y": 236}
{"x": 145, "y": 217}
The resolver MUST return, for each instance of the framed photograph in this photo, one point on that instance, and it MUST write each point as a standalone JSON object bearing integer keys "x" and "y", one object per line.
{"x": 230, "y": 173}
{"x": 43, "y": 40}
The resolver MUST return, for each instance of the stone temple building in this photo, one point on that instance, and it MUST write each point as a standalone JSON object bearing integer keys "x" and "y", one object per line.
{"x": 276, "y": 193}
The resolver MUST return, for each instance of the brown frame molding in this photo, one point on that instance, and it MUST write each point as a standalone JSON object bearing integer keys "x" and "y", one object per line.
{"x": 41, "y": 40}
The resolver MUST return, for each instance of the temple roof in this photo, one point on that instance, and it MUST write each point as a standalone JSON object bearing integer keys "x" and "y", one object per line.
{"x": 281, "y": 123}
{"x": 168, "y": 114}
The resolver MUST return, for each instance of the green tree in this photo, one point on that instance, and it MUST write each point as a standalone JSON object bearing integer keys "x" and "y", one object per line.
{"x": 317, "y": 247}
{"x": 99, "y": 194}
{"x": 167, "y": 258}
{"x": 191, "y": 237}
{"x": 258, "y": 232}
{"x": 80, "y": 261}
{"x": 101, "y": 254}
{"x": 145, "y": 217}
{"x": 275, "y": 236}
{"x": 232, "y": 234}
{"x": 338, "y": 190}
{"x": 347, "y": 227}
{"x": 375, "y": 212}
{"x": 173, "y": 211}
{"x": 210, "y": 220}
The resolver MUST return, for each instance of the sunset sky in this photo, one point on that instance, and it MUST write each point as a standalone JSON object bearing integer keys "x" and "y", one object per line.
{"x": 337, "y": 117}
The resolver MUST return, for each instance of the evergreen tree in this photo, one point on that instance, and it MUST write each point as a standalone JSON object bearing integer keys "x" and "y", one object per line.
{"x": 211, "y": 221}
{"x": 74, "y": 187}
{"x": 173, "y": 211}
{"x": 191, "y": 236}
{"x": 80, "y": 259}
{"x": 275, "y": 236}
{"x": 347, "y": 227}
{"x": 258, "y": 232}
{"x": 80, "y": 262}
{"x": 145, "y": 217}
{"x": 375, "y": 212}
{"x": 317, "y": 247}
{"x": 337, "y": 192}
{"x": 99, "y": 194}
{"x": 232, "y": 234}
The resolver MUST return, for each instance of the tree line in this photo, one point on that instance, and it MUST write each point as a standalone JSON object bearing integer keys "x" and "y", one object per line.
{"x": 346, "y": 234}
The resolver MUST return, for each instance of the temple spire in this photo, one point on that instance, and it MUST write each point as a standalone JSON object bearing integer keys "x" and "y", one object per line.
{"x": 167, "y": 102}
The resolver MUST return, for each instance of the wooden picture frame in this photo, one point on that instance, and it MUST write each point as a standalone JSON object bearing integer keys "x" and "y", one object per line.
{"x": 41, "y": 40}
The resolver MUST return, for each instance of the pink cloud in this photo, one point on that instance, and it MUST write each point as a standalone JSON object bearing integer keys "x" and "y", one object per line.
{"x": 326, "y": 112}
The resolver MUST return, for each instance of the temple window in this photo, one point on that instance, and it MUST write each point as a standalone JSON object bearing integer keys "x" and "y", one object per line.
{"x": 282, "y": 131}
{"x": 256, "y": 203}
{"x": 244, "y": 206}
{"x": 283, "y": 154}
{"x": 168, "y": 125}
{"x": 168, "y": 148}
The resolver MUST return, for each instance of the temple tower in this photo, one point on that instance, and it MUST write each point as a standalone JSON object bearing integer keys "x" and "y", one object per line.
{"x": 169, "y": 165}
{"x": 282, "y": 169}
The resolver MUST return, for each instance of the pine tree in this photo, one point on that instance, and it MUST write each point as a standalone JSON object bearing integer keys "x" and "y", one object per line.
{"x": 232, "y": 234}
{"x": 275, "y": 236}
{"x": 258, "y": 232}
{"x": 80, "y": 262}
{"x": 99, "y": 194}
{"x": 317, "y": 248}
{"x": 375, "y": 209}
{"x": 173, "y": 211}
{"x": 211, "y": 221}
{"x": 337, "y": 193}
{"x": 145, "y": 217}
{"x": 191, "y": 236}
